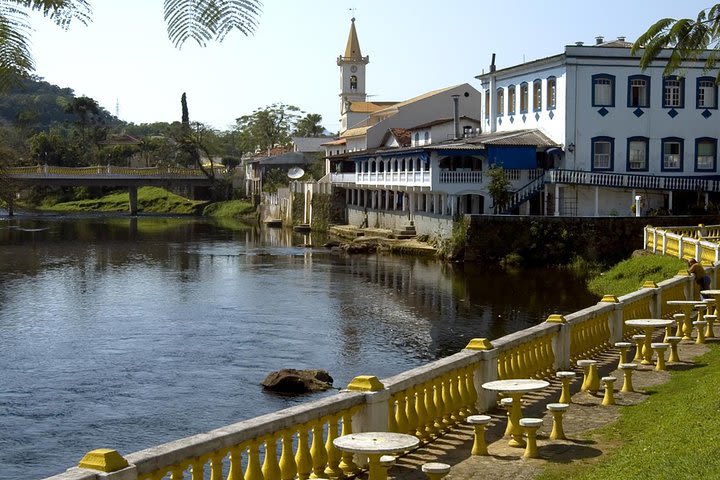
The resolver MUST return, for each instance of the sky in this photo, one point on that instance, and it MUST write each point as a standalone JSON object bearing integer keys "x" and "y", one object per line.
{"x": 124, "y": 60}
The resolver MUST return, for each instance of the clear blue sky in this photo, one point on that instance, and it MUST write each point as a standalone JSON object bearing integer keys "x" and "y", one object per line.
{"x": 414, "y": 46}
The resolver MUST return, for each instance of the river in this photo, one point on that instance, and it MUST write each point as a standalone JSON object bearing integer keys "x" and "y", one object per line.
{"x": 129, "y": 332}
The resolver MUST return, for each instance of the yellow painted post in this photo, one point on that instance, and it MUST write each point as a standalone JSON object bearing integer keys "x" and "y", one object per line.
{"x": 465, "y": 400}
{"x": 270, "y": 468}
{"x": 317, "y": 451}
{"x": 421, "y": 411}
{"x": 412, "y": 416}
{"x": 333, "y": 469}
{"x": 197, "y": 468}
{"x": 103, "y": 460}
{"x": 402, "y": 420}
{"x": 457, "y": 412}
{"x": 502, "y": 371}
{"x": 347, "y": 465}
{"x": 303, "y": 457}
{"x": 439, "y": 406}
{"x": 288, "y": 468}
{"x": 609, "y": 398}
{"x": 470, "y": 387}
{"x": 447, "y": 401}
{"x": 216, "y": 466}
{"x": 236, "y": 463}
{"x": 176, "y": 473}
{"x": 253, "y": 470}
{"x": 392, "y": 415}
{"x": 430, "y": 408}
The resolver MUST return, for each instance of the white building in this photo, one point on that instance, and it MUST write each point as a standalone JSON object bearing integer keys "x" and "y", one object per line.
{"x": 625, "y": 132}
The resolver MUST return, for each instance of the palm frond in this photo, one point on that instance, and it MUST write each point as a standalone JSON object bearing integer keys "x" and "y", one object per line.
{"x": 209, "y": 20}
{"x": 62, "y": 12}
{"x": 15, "y": 58}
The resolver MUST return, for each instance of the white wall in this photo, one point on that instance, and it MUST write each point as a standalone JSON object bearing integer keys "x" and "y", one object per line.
{"x": 425, "y": 224}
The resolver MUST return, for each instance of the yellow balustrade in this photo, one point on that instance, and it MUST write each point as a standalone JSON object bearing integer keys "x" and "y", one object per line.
{"x": 707, "y": 255}
{"x": 270, "y": 467}
{"x": 689, "y": 249}
{"x": 470, "y": 403}
{"x": 457, "y": 410}
{"x": 253, "y": 470}
{"x": 590, "y": 337}
{"x": 392, "y": 414}
{"x": 317, "y": 450}
{"x": 674, "y": 292}
{"x": 401, "y": 414}
{"x": 672, "y": 246}
{"x": 236, "y": 463}
{"x": 447, "y": 401}
{"x": 216, "y": 466}
{"x": 411, "y": 413}
{"x": 438, "y": 425}
{"x": 431, "y": 409}
{"x": 347, "y": 465}
{"x": 421, "y": 430}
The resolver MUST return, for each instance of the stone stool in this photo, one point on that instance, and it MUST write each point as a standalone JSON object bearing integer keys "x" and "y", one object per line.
{"x": 479, "y": 422}
{"x": 565, "y": 378}
{"x": 591, "y": 382}
{"x": 624, "y": 347}
{"x": 531, "y": 426}
{"x": 710, "y": 319}
{"x": 557, "y": 410}
{"x": 701, "y": 309}
{"x": 627, "y": 369}
{"x": 660, "y": 352}
{"x": 700, "y": 325}
{"x": 679, "y": 322}
{"x": 609, "y": 398}
{"x": 710, "y": 302}
{"x": 435, "y": 470}
{"x": 387, "y": 461}
{"x": 639, "y": 339}
{"x": 506, "y": 403}
{"x": 673, "y": 341}
{"x": 668, "y": 331}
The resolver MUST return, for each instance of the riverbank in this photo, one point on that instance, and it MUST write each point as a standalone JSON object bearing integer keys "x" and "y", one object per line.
{"x": 368, "y": 240}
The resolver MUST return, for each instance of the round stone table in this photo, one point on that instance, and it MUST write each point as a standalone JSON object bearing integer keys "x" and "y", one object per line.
{"x": 515, "y": 388}
{"x": 687, "y": 307}
{"x": 648, "y": 324}
{"x": 375, "y": 445}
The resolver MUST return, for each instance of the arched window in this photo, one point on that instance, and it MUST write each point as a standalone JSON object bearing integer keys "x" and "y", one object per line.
{"x": 353, "y": 82}
{"x": 551, "y": 93}
{"x": 417, "y": 138}
{"x": 427, "y": 137}
{"x": 537, "y": 95}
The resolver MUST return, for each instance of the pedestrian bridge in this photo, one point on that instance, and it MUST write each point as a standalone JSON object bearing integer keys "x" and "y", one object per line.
{"x": 112, "y": 176}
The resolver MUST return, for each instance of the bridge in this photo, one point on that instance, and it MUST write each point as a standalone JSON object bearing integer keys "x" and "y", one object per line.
{"x": 112, "y": 176}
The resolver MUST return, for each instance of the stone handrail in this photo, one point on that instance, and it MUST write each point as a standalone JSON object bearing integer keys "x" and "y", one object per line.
{"x": 425, "y": 401}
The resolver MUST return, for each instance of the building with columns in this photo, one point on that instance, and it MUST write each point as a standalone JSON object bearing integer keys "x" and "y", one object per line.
{"x": 629, "y": 138}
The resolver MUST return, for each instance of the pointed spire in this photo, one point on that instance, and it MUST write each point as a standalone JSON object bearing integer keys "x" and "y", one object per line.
{"x": 352, "y": 50}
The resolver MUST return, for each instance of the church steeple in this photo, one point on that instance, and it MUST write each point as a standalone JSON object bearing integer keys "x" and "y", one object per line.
{"x": 352, "y": 78}
{"x": 352, "y": 50}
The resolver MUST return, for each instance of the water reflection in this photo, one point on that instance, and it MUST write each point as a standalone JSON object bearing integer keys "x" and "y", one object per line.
{"x": 132, "y": 332}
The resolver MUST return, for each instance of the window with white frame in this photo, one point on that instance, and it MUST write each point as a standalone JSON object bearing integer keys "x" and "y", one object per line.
{"x": 673, "y": 92}
{"x": 511, "y": 100}
{"x": 672, "y": 150}
{"x": 500, "y": 102}
{"x": 523, "y": 97}
{"x": 705, "y": 153}
{"x": 639, "y": 91}
{"x": 706, "y": 93}
{"x": 551, "y": 93}
{"x": 487, "y": 104}
{"x": 603, "y": 94}
{"x": 602, "y": 153}
{"x": 537, "y": 95}
{"x": 637, "y": 153}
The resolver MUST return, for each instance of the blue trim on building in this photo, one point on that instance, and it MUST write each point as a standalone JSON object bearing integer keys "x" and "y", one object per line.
{"x": 679, "y": 140}
{"x": 537, "y": 95}
{"x": 604, "y": 76}
{"x": 525, "y": 96}
{"x": 697, "y": 92}
{"x": 682, "y": 91}
{"x": 612, "y": 153}
{"x": 647, "y": 154}
{"x": 648, "y": 96}
{"x": 714, "y": 165}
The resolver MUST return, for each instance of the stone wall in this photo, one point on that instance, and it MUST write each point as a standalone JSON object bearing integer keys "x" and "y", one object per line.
{"x": 557, "y": 240}
{"x": 434, "y": 226}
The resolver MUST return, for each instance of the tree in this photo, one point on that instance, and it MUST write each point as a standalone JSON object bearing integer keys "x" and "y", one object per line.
{"x": 269, "y": 127}
{"x": 499, "y": 187}
{"x": 687, "y": 39}
{"x": 309, "y": 126}
{"x": 199, "y": 20}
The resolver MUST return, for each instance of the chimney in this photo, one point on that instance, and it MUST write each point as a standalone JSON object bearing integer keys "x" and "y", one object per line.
{"x": 579, "y": 44}
{"x": 492, "y": 63}
{"x": 599, "y": 39}
{"x": 621, "y": 39}
{"x": 456, "y": 116}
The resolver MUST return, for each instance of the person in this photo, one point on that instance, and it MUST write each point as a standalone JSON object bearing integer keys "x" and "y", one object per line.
{"x": 701, "y": 277}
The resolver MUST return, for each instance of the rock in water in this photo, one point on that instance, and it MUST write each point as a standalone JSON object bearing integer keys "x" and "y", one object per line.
{"x": 292, "y": 381}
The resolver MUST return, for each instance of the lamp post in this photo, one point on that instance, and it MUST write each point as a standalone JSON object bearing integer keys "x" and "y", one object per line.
{"x": 638, "y": 198}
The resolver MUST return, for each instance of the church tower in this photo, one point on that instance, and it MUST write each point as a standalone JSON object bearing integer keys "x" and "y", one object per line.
{"x": 352, "y": 80}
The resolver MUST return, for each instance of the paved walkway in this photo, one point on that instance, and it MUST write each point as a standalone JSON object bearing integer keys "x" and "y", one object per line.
{"x": 585, "y": 414}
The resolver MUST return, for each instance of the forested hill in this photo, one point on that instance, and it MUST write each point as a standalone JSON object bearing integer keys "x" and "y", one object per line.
{"x": 35, "y": 104}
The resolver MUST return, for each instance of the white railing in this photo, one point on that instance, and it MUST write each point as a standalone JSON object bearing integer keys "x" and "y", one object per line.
{"x": 425, "y": 401}
{"x": 623, "y": 180}
{"x": 461, "y": 176}
{"x": 699, "y": 242}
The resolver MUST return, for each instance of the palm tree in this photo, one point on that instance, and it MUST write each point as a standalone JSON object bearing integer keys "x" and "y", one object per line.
{"x": 687, "y": 39}
{"x": 199, "y": 20}
{"x": 309, "y": 126}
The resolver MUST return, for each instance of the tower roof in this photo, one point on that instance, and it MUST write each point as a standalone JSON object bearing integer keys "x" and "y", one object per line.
{"x": 352, "y": 50}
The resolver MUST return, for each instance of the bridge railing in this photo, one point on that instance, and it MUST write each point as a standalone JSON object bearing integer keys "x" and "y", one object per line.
{"x": 425, "y": 401}
{"x": 700, "y": 242}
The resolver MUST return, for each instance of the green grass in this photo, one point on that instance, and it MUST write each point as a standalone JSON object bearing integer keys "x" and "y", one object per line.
{"x": 231, "y": 208}
{"x": 629, "y": 275}
{"x": 150, "y": 200}
{"x": 673, "y": 434}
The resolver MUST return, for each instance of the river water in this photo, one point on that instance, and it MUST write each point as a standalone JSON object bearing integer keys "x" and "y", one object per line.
{"x": 129, "y": 332}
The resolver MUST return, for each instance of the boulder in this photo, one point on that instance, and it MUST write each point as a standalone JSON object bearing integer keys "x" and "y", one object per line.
{"x": 292, "y": 381}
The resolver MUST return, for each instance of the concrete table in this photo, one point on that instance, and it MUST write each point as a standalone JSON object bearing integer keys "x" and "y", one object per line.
{"x": 375, "y": 445}
{"x": 515, "y": 388}
{"x": 687, "y": 306}
{"x": 713, "y": 303}
{"x": 648, "y": 324}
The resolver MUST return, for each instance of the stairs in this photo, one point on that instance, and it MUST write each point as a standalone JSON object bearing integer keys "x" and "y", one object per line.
{"x": 407, "y": 232}
{"x": 524, "y": 194}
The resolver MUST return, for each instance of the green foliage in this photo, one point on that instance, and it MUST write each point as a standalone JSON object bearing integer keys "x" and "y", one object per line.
{"x": 498, "y": 187}
{"x": 268, "y": 127}
{"x": 687, "y": 39}
{"x": 453, "y": 248}
{"x": 672, "y": 434}
{"x": 309, "y": 126}
{"x": 275, "y": 178}
{"x": 629, "y": 275}
{"x": 230, "y": 208}
{"x": 209, "y": 20}
{"x": 150, "y": 199}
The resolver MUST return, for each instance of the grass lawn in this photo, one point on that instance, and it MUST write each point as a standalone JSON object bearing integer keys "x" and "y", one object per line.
{"x": 150, "y": 199}
{"x": 672, "y": 435}
{"x": 231, "y": 208}
{"x": 629, "y": 275}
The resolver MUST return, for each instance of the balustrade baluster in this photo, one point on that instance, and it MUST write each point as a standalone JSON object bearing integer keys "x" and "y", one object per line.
{"x": 447, "y": 401}
{"x": 430, "y": 409}
{"x": 333, "y": 469}
{"x": 236, "y": 463}
{"x": 197, "y": 468}
{"x": 455, "y": 401}
{"x": 421, "y": 411}
{"x": 271, "y": 468}
{"x": 402, "y": 420}
{"x": 502, "y": 371}
{"x": 216, "y": 465}
{"x": 317, "y": 451}
{"x": 177, "y": 473}
{"x": 392, "y": 414}
{"x": 465, "y": 399}
{"x": 438, "y": 425}
{"x": 288, "y": 468}
{"x": 253, "y": 470}
{"x": 347, "y": 465}
{"x": 412, "y": 416}
{"x": 303, "y": 457}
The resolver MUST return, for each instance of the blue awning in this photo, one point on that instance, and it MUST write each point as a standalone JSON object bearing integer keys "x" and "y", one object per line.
{"x": 512, "y": 157}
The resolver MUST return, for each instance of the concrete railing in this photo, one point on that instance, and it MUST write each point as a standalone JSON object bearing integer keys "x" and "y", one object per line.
{"x": 425, "y": 401}
{"x": 699, "y": 242}
{"x": 105, "y": 171}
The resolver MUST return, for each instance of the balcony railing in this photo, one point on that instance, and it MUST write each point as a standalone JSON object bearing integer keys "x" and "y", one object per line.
{"x": 461, "y": 176}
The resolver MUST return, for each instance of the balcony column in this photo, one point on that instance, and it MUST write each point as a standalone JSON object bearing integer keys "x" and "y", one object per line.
{"x": 372, "y": 199}
{"x": 707, "y": 200}
{"x": 411, "y": 206}
{"x": 670, "y": 203}
{"x": 597, "y": 201}
{"x": 347, "y": 196}
{"x": 557, "y": 200}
